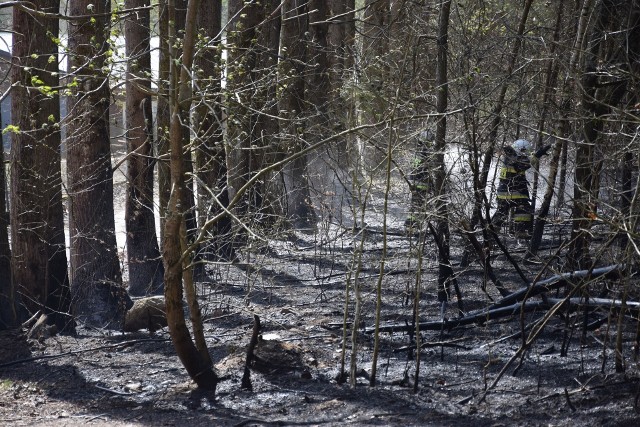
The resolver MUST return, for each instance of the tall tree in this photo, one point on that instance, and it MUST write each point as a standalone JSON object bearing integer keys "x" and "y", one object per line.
{"x": 594, "y": 109}
{"x": 8, "y": 313}
{"x": 96, "y": 279}
{"x": 143, "y": 254}
{"x": 210, "y": 157}
{"x": 374, "y": 68}
{"x": 268, "y": 188}
{"x": 325, "y": 108}
{"x": 242, "y": 36}
{"x": 445, "y": 272}
{"x": 39, "y": 259}
{"x": 292, "y": 108}
{"x": 340, "y": 57}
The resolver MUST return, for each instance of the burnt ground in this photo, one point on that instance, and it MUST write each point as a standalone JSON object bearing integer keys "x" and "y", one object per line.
{"x": 296, "y": 285}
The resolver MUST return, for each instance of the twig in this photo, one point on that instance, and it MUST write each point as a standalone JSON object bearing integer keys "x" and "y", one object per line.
{"x": 451, "y": 343}
{"x": 566, "y": 396}
{"x": 119, "y": 393}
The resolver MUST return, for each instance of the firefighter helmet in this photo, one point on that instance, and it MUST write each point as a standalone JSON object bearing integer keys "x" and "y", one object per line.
{"x": 522, "y": 147}
{"x": 426, "y": 135}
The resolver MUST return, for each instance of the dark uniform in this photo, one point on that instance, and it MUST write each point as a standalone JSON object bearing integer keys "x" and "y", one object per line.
{"x": 420, "y": 178}
{"x": 513, "y": 188}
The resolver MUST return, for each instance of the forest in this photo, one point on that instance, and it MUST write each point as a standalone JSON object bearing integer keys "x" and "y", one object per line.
{"x": 320, "y": 212}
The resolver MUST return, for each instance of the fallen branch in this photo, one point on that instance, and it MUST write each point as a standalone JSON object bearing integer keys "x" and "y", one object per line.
{"x": 599, "y": 302}
{"x": 512, "y": 303}
{"x": 451, "y": 343}
{"x": 246, "y": 377}
{"x": 479, "y": 318}
{"x": 559, "y": 280}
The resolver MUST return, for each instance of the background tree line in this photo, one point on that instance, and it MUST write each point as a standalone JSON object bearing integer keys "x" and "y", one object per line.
{"x": 280, "y": 116}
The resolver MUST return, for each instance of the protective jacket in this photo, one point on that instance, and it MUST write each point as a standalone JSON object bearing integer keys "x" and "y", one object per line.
{"x": 513, "y": 180}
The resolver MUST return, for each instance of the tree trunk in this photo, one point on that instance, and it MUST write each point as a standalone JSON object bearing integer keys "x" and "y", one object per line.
{"x": 210, "y": 157}
{"x": 373, "y": 106}
{"x": 300, "y": 213}
{"x": 162, "y": 115}
{"x": 194, "y": 357}
{"x": 587, "y": 171}
{"x": 143, "y": 254}
{"x": 8, "y": 297}
{"x": 39, "y": 260}
{"x": 96, "y": 279}
{"x": 243, "y": 33}
{"x": 551, "y": 76}
{"x": 268, "y": 202}
{"x": 340, "y": 108}
{"x": 326, "y": 182}
{"x": 445, "y": 272}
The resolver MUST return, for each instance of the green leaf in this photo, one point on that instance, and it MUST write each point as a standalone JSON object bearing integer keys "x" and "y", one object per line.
{"x": 11, "y": 128}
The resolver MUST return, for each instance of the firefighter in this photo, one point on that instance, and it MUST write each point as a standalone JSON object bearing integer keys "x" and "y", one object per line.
{"x": 420, "y": 180}
{"x": 513, "y": 188}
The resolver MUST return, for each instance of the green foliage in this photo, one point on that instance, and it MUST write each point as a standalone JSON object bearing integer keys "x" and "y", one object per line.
{"x": 11, "y": 129}
{"x": 43, "y": 88}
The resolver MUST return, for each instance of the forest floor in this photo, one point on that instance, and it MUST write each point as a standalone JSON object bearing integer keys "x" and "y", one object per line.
{"x": 296, "y": 285}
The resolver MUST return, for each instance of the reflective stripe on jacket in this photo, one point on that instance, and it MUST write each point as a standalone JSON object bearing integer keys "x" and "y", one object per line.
{"x": 513, "y": 180}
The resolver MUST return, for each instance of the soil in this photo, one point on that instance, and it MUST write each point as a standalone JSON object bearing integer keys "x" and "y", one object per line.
{"x": 296, "y": 285}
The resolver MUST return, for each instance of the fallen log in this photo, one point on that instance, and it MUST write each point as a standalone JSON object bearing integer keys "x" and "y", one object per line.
{"x": 633, "y": 306}
{"x": 146, "y": 313}
{"x": 476, "y": 318}
{"x": 555, "y": 282}
{"x": 512, "y": 304}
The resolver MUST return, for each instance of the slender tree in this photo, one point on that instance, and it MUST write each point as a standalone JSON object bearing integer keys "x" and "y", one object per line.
{"x": 564, "y": 125}
{"x": 143, "y": 254}
{"x": 96, "y": 279}
{"x": 445, "y": 272}
{"x": 171, "y": 17}
{"x": 340, "y": 50}
{"x": 178, "y": 269}
{"x": 39, "y": 259}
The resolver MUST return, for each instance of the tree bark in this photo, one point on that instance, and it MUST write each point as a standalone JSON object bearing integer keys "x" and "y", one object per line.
{"x": 551, "y": 76}
{"x": 194, "y": 357}
{"x": 300, "y": 214}
{"x": 96, "y": 279}
{"x": 210, "y": 157}
{"x": 587, "y": 171}
{"x": 445, "y": 272}
{"x": 374, "y": 105}
{"x": 243, "y": 33}
{"x": 8, "y": 306}
{"x": 265, "y": 103}
{"x": 162, "y": 115}
{"x": 143, "y": 253}
{"x": 39, "y": 259}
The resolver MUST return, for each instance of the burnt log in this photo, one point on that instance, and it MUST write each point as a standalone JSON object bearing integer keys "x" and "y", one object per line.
{"x": 146, "y": 313}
